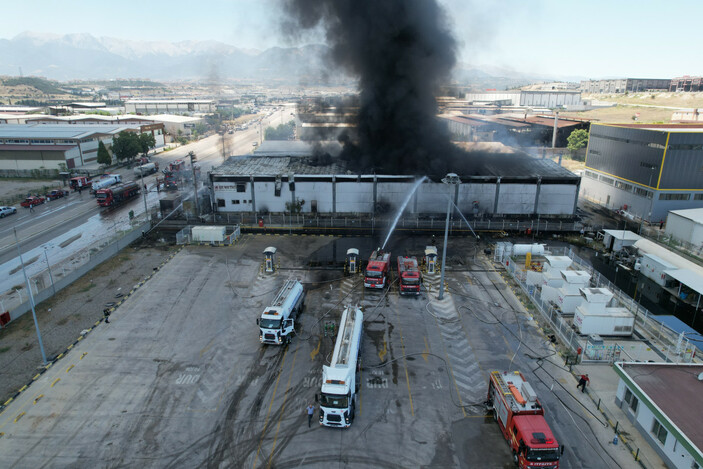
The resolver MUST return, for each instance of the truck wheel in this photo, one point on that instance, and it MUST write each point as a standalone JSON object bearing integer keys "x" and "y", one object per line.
{"x": 495, "y": 415}
{"x": 516, "y": 459}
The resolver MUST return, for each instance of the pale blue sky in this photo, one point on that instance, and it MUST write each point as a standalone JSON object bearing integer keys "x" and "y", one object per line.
{"x": 644, "y": 38}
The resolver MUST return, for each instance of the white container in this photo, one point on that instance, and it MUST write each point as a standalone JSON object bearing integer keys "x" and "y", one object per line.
{"x": 568, "y": 303}
{"x": 653, "y": 268}
{"x": 533, "y": 278}
{"x": 145, "y": 169}
{"x": 574, "y": 280}
{"x": 597, "y": 299}
{"x": 208, "y": 234}
{"x": 550, "y": 294}
{"x": 610, "y": 322}
{"x": 107, "y": 181}
{"x": 557, "y": 263}
{"x": 523, "y": 249}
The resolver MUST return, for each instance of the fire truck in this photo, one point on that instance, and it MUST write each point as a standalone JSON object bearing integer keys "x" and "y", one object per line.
{"x": 341, "y": 379}
{"x": 409, "y": 275}
{"x": 521, "y": 419}
{"x": 82, "y": 182}
{"x": 276, "y": 322}
{"x": 117, "y": 194}
{"x": 177, "y": 166}
{"x": 377, "y": 269}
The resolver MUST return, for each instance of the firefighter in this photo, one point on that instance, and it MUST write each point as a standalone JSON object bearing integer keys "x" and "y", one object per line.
{"x": 583, "y": 382}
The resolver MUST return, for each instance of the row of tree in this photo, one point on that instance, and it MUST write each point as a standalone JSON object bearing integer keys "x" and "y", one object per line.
{"x": 126, "y": 146}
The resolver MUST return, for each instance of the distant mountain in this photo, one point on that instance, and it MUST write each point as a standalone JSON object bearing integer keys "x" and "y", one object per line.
{"x": 83, "y": 56}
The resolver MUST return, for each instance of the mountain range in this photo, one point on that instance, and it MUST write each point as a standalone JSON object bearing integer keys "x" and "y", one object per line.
{"x": 84, "y": 57}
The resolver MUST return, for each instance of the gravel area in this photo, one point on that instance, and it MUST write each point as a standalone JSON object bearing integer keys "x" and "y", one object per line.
{"x": 63, "y": 317}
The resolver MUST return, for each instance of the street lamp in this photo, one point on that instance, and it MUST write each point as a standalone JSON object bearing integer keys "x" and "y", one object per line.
{"x": 31, "y": 300}
{"x": 450, "y": 179}
{"x": 651, "y": 168}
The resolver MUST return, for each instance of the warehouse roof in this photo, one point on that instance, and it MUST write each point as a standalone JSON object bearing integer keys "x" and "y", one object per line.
{"x": 296, "y": 148}
{"x": 272, "y": 166}
{"x": 663, "y": 127}
{"x": 172, "y": 118}
{"x": 693, "y": 214}
{"x": 624, "y": 235}
{"x": 691, "y": 279}
{"x": 168, "y": 101}
{"x": 70, "y": 131}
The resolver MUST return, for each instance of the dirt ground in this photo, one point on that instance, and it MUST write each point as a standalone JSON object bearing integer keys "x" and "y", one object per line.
{"x": 623, "y": 115}
{"x": 74, "y": 309}
{"x": 15, "y": 190}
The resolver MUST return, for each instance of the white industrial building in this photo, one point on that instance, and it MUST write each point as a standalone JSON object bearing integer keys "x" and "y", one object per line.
{"x": 169, "y": 106}
{"x": 273, "y": 177}
{"x": 531, "y": 99}
{"x": 664, "y": 402}
{"x": 686, "y": 225}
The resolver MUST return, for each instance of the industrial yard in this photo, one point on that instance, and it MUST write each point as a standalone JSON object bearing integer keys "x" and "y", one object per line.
{"x": 178, "y": 377}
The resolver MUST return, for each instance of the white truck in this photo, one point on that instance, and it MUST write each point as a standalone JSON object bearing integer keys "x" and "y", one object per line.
{"x": 145, "y": 169}
{"x": 340, "y": 380}
{"x": 106, "y": 181}
{"x": 277, "y": 321}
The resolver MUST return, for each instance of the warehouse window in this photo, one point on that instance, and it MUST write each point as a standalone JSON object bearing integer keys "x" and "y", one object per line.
{"x": 698, "y": 197}
{"x": 607, "y": 180}
{"x": 235, "y": 202}
{"x": 623, "y": 186}
{"x": 687, "y": 146}
{"x": 241, "y": 187}
{"x": 591, "y": 174}
{"x": 659, "y": 431}
{"x": 658, "y": 146}
{"x": 674, "y": 196}
{"x": 593, "y": 152}
{"x": 220, "y": 202}
{"x": 631, "y": 400}
{"x": 643, "y": 192}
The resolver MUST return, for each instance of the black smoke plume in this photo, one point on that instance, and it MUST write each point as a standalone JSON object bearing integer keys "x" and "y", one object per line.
{"x": 401, "y": 51}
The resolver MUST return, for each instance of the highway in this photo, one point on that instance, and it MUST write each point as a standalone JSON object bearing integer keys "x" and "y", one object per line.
{"x": 77, "y": 221}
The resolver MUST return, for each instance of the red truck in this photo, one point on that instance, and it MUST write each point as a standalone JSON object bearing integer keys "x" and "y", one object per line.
{"x": 117, "y": 194}
{"x": 376, "y": 274}
{"x": 521, "y": 419}
{"x": 56, "y": 194}
{"x": 31, "y": 201}
{"x": 409, "y": 275}
{"x": 81, "y": 182}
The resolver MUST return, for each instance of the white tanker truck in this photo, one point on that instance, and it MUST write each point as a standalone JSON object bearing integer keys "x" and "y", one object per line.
{"x": 277, "y": 321}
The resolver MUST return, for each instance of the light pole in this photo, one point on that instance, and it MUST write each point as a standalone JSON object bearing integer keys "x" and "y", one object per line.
{"x": 651, "y": 168}
{"x": 48, "y": 266}
{"x": 146, "y": 210}
{"x": 31, "y": 299}
{"x": 450, "y": 179}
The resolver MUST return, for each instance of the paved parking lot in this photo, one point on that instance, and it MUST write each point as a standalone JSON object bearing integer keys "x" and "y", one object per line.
{"x": 178, "y": 378}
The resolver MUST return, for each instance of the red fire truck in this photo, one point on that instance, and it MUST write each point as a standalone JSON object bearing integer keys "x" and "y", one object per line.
{"x": 81, "y": 182}
{"x": 408, "y": 275}
{"x": 521, "y": 419}
{"x": 377, "y": 269}
{"x": 117, "y": 194}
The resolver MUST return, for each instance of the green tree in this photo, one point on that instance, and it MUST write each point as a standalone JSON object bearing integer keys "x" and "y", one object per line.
{"x": 282, "y": 132}
{"x": 126, "y": 146}
{"x": 103, "y": 155}
{"x": 577, "y": 140}
{"x": 146, "y": 142}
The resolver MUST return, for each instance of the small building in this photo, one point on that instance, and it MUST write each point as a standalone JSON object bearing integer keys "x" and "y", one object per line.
{"x": 686, "y": 225}
{"x": 176, "y": 125}
{"x": 169, "y": 106}
{"x": 645, "y": 169}
{"x": 615, "y": 240}
{"x": 664, "y": 402}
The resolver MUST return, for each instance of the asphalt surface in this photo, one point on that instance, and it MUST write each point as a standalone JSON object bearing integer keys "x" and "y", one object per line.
{"x": 178, "y": 378}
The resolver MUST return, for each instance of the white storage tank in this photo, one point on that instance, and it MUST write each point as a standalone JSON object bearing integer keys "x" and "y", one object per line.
{"x": 523, "y": 249}
{"x": 653, "y": 267}
{"x": 208, "y": 234}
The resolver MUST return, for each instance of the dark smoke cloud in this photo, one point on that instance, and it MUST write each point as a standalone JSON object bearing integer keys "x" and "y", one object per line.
{"x": 401, "y": 51}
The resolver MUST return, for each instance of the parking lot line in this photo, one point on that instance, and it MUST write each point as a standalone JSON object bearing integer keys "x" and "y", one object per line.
{"x": 283, "y": 408}
{"x": 268, "y": 412}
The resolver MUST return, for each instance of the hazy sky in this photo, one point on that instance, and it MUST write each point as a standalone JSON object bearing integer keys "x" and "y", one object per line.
{"x": 594, "y": 38}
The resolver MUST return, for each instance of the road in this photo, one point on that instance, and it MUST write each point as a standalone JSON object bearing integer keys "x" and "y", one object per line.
{"x": 79, "y": 218}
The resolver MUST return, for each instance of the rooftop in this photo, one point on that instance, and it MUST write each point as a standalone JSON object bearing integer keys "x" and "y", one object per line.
{"x": 680, "y": 403}
{"x": 693, "y": 214}
{"x": 169, "y": 101}
{"x": 59, "y": 131}
{"x": 663, "y": 127}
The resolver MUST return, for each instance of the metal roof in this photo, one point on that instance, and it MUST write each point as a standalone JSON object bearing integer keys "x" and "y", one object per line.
{"x": 273, "y": 166}
{"x": 57, "y": 131}
{"x": 11, "y": 147}
{"x": 691, "y": 279}
{"x": 295, "y": 148}
{"x": 693, "y": 128}
{"x": 693, "y": 214}
{"x": 624, "y": 235}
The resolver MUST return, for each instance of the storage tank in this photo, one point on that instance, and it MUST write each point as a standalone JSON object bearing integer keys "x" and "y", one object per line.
{"x": 523, "y": 249}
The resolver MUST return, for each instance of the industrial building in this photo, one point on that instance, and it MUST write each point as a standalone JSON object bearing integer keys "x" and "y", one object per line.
{"x": 169, "y": 106}
{"x": 274, "y": 179}
{"x": 645, "y": 169}
{"x": 531, "y": 99}
{"x": 667, "y": 416}
{"x": 170, "y": 123}
{"x": 686, "y": 83}
{"x": 686, "y": 225}
{"x": 623, "y": 85}
{"x": 35, "y": 146}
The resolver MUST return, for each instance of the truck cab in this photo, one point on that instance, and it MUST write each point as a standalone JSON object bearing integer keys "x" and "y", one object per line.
{"x": 273, "y": 329}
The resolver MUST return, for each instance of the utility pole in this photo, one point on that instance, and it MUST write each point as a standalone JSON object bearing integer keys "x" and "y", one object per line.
{"x": 48, "y": 266}
{"x": 146, "y": 210}
{"x": 31, "y": 299}
{"x": 195, "y": 185}
{"x": 556, "y": 127}
{"x": 451, "y": 180}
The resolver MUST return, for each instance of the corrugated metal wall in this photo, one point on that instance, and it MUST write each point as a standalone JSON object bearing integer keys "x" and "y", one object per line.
{"x": 683, "y": 168}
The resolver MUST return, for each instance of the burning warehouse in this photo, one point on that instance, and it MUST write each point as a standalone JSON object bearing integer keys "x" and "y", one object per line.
{"x": 289, "y": 174}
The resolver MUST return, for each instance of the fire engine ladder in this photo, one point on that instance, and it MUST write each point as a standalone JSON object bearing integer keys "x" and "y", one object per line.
{"x": 283, "y": 294}
{"x": 499, "y": 379}
{"x": 346, "y": 337}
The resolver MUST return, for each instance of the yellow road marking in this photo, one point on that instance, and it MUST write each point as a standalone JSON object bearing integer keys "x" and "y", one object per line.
{"x": 407, "y": 378}
{"x": 268, "y": 412}
{"x": 36, "y": 399}
{"x": 69, "y": 368}
{"x": 83, "y": 355}
{"x": 314, "y": 353}
{"x": 283, "y": 408}
{"x": 427, "y": 350}
{"x": 383, "y": 352}
{"x": 19, "y": 416}
{"x": 55, "y": 381}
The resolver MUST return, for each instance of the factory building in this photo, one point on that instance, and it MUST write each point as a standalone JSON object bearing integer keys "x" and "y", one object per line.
{"x": 531, "y": 99}
{"x": 645, "y": 169}
{"x": 35, "y": 146}
{"x": 686, "y": 83}
{"x": 169, "y": 106}
{"x": 667, "y": 416}
{"x": 508, "y": 185}
{"x": 622, "y": 85}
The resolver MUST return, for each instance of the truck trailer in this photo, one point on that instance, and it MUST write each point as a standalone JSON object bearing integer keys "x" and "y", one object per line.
{"x": 408, "y": 276}
{"x": 146, "y": 169}
{"x": 340, "y": 380}
{"x": 116, "y": 195}
{"x": 376, "y": 274}
{"x": 106, "y": 181}
{"x": 521, "y": 419}
{"x": 276, "y": 323}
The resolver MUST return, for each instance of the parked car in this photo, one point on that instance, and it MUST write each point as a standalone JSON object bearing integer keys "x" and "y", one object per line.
{"x": 56, "y": 194}
{"x": 31, "y": 201}
{"x": 7, "y": 211}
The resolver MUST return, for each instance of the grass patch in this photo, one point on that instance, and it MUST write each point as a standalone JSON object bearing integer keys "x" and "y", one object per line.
{"x": 5, "y": 349}
{"x": 86, "y": 288}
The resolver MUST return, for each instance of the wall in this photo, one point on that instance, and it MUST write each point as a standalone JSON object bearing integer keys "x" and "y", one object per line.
{"x": 319, "y": 191}
{"x": 19, "y": 160}
{"x": 684, "y": 229}
{"x": 517, "y": 199}
{"x": 555, "y": 199}
{"x": 354, "y": 197}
